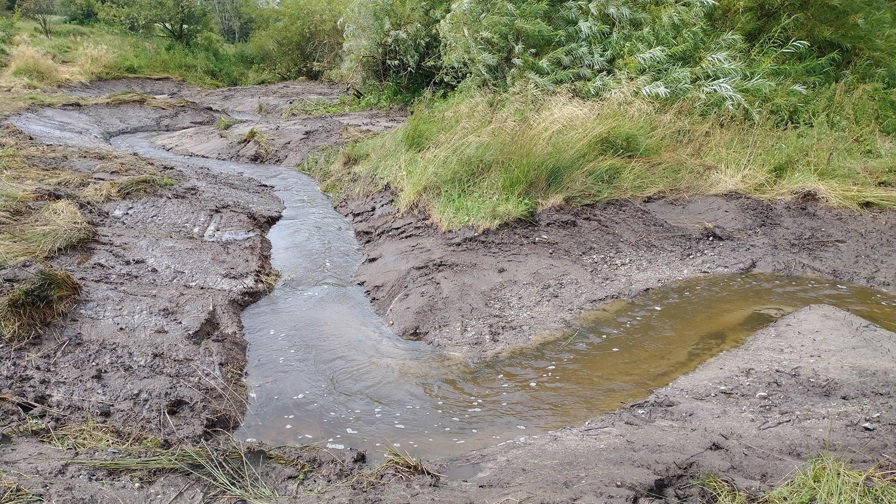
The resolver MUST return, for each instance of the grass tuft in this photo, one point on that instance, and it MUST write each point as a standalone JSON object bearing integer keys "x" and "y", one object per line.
{"x": 824, "y": 480}
{"x": 225, "y": 123}
{"x": 719, "y": 491}
{"x": 261, "y": 140}
{"x": 34, "y": 66}
{"x": 405, "y": 466}
{"x": 53, "y": 227}
{"x": 830, "y": 480}
{"x": 36, "y": 302}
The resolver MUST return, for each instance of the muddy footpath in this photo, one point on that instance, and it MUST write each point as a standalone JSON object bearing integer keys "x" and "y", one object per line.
{"x": 155, "y": 348}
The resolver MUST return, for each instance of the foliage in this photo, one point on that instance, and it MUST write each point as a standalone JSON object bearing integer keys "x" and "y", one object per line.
{"x": 8, "y": 27}
{"x": 81, "y": 11}
{"x": 394, "y": 42}
{"x": 728, "y": 56}
{"x": 179, "y": 20}
{"x": 298, "y": 38}
{"x": 483, "y": 159}
{"x": 857, "y": 36}
{"x": 233, "y": 19}
{"x": 43, "y": 12}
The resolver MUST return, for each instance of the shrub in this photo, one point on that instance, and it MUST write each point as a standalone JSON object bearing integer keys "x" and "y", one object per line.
{"x": 394, "y": 42}
{"x": 298, "y": 38}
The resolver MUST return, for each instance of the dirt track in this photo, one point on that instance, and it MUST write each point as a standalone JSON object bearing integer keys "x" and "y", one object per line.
{"x": 157, "y": 342}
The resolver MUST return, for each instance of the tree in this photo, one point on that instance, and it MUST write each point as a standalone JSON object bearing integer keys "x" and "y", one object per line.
{"x": 42, "y": 12}
{"x": 232, "y": 18}
{"x": 179, "y": 20}
{"x": 80, "y": 11}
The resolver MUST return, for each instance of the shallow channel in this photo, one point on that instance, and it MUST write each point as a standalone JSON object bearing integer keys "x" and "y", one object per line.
{"x": 324, "y": 368}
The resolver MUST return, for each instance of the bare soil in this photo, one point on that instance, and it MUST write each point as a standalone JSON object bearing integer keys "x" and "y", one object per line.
{"x": 156, "y": 344}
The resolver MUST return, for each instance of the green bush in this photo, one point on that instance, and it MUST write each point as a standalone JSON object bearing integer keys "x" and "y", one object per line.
{"x": 298, "y": 38}
{"x": 394, "y": 42}
{"x": 858, "y": 36}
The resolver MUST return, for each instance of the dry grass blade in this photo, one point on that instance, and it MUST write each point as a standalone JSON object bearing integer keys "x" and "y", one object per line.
{"x": 228, "y": 471}
{"x": 11, "y": 492}
{"x": 231, "y": 473}
{"x": 52, "y": 228}
{"x": 406, "y": 465}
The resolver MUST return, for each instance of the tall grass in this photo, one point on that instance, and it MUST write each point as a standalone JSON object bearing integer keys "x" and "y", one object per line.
{"x": 35, "y": 67}
{"x": 77, "y": 54}
{"x": 484, "y": 159}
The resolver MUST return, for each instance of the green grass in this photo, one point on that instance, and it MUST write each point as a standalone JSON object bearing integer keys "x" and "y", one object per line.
{"x": 36, "y": 302}
{"x": 824, "y": 480}
{"x": 484, "y": 159}
{"x": 78, "y": 54}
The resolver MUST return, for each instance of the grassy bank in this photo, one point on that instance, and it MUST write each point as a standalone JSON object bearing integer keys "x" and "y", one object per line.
{"x": 483, "y": 159}
{"x": 78, "y": 54}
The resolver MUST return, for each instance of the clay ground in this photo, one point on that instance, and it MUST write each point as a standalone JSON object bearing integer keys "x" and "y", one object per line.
{"x": 156, "y": 344}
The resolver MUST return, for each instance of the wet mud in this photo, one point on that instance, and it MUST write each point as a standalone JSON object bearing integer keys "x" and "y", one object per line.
{"x": 157, "y": 344}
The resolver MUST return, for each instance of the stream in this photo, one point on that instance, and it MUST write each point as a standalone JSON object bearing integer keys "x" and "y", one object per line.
{"x": 324, "y": 368}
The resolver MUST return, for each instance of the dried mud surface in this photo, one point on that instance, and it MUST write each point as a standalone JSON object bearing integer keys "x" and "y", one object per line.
{"x": 156, "y": 344}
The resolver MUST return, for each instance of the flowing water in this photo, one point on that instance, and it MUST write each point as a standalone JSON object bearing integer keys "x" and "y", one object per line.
{"x": 323, "y": 367}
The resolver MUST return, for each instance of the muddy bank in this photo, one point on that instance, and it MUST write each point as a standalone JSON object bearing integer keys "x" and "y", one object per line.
{"x": 156, "y": 341}
{"x": 477, "y": 294}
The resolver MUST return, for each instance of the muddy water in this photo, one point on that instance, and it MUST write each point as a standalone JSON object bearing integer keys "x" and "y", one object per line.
{"x": 324, "y": 369}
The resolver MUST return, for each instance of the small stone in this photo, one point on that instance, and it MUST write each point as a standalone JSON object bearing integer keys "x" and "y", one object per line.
{"x": 761, "y": 395}
{"x": 868, "y": 426}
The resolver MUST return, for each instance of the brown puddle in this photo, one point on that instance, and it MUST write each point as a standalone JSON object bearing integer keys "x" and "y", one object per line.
{"x": 628, "y": 348}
